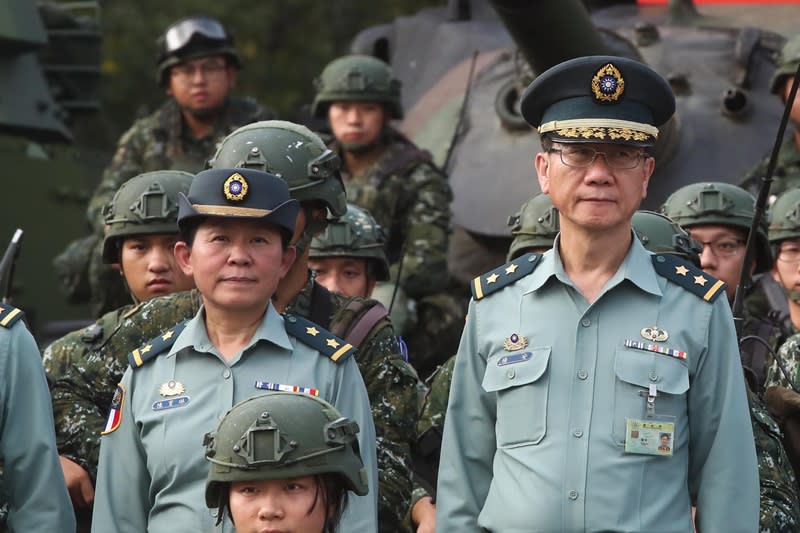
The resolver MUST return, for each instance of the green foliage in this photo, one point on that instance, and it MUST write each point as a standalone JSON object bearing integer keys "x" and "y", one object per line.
{"x": 283, "y": 45}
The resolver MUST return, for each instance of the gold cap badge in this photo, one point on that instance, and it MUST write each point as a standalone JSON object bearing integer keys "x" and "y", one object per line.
{"x": 235, "y": 187}
{"x": 608, "y": 84}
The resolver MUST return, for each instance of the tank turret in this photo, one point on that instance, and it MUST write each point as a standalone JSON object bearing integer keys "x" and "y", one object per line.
{"x": 718, "y": 62}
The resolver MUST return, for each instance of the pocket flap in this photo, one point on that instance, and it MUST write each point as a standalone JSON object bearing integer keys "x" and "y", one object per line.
{"x": 504, "y": 371}
{"x": 642, "y": 369}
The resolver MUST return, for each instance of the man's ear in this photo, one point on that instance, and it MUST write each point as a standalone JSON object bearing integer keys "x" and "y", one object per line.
{"x": 542, "y": 165}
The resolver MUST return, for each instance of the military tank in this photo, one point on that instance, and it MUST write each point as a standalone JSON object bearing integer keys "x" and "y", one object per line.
{"x": 464, "y": 66}
{"x": 50, "y": 67}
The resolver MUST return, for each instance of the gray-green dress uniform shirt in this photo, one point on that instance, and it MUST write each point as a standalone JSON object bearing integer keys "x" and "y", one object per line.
{"x": 152, "y": 468}
{"x": 534, "y": 437}
{"x": 34, "y": 486}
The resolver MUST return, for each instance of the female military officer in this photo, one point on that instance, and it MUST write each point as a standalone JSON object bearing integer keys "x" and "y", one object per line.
{"x": 295, "y": 474}
{"x": 235, "y": 226}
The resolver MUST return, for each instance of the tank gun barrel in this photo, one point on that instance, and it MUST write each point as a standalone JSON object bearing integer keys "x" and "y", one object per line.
{"x": 548, "y": 32}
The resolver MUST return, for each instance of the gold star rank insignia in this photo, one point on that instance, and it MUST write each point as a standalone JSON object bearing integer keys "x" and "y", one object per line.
{"x": 511, "y": 268}
{"x": 147, "y": 348}
{"x": 700, "y": 280}
{"x": 492, "y": 278}
{"x": 332, "y": 343}
{"x": 681, "y": 270}
{"x": 167, "y": 336}
{"x": 312, "y": 331}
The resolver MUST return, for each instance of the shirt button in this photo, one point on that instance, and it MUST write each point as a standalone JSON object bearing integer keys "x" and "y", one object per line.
{"x": 226, "y": 373}
{"x": 578, "y": 433}
{"x": 573, "y": 495}
{"x": 586, "y": 322}
{"x": 653, "y": 376}
{"x": 511, "y": 374}
{"x": 583, "y": 374}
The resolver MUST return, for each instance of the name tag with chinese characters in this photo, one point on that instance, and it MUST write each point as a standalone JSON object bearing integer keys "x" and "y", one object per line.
{"x": 649, "y": 437}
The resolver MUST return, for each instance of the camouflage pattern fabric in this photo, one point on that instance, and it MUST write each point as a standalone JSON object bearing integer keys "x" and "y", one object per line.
{"x": 160, "y": 142}
{"x": 779, "y": 509}
{"x": 410, "y": 198}
{"x": 789, "y": 356}
{"x": 433, "y": 412}
{"x": 156, "y": 142}
{"x": 787, "y": 171}
{"x": 82, "y": 395}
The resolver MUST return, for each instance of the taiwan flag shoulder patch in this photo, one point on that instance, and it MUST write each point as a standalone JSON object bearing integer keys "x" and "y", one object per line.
{"x": 115, "y": 413}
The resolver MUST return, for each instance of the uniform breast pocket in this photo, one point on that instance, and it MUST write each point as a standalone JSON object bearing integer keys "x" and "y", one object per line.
{"x": 635, "y": 372}
{"x": 520, "y": 382}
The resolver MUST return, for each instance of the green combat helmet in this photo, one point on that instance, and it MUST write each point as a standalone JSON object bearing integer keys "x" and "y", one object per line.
{"x": 787, "y": 65}
{"x": 145, "y": 204}
{"x": 356, "y": 234}
{"x": 291, "y": 152}
{"x": 535, "y": 226}
{"x": 282, "y": 435}
{"x": 193, "y": 37}
{"x": 659, "y": 234}
{"x": 723, "y": 204}
{"x": 785, "y": 217}
{"x": 357, "y": 78}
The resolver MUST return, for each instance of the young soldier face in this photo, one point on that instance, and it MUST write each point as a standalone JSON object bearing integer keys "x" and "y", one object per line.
{"x": 236, "y": 263}
{"x": 344, "y": 275}
{"x": 786, "y": 270}
{"x": 200, "y": 86}
{"x": 150, "y": 267}
{"x": 356, "y": 124}
{"x": 723, "y": 252}
{"x": 280, "y": 505}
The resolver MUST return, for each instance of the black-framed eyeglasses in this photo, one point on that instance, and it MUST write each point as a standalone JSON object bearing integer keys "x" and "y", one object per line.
{"x": 622, "y": 158}
{"x": 725, "y": 247}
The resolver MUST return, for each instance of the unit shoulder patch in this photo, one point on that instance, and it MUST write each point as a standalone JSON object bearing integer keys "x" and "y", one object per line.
{"x": 688, "y": 276}
{"x": 9, "y": 315}
{"x": 319, "y": 338}
{"x": 500, "y": 277}
{"x": 155, "y": 346}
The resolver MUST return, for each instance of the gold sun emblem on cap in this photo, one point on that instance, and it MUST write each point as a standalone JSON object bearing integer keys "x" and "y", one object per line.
{"x": 608, "y": 84}
{"x": 235, "y": 187}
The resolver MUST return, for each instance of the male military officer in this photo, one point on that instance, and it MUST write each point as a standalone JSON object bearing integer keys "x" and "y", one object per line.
{"x": 33, "y": 486}
{"x": 311, "y": 170}
{"x": 396, "y": 181}
{"x": 787, "y": 169}
{"x": 572, "y": 363}
{"x": 197, "y": 67}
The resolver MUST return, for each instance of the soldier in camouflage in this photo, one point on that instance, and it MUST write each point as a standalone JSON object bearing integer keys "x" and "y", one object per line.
{"x": 142, "y": 230}
{"x": 197, "y": 67}
{"x": 311, "y": 170}
{"x": 787, "y": 168}
{"x": 397, "y": 182}
{"x": 718, "y": 215}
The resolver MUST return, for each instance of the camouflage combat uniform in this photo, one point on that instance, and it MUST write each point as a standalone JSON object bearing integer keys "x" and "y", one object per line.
{"x": 82, "y": 396}
{"x": 779, "y": 509}
{"x": 410, "y": 198}
{"x": 787, "y": 171}
{"x": 159, "y": 141}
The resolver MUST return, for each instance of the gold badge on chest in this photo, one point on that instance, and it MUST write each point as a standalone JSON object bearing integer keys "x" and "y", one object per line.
{"x": 515, "y": 342}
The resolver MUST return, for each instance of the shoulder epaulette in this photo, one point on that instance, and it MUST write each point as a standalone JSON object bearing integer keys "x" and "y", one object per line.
{"x": 156, "y": 345}
{"x": 688, "y": 276}
{"x": 500, "y": 277}
{"x": 9, "y": 315}
{"x": 319, "y": 338}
